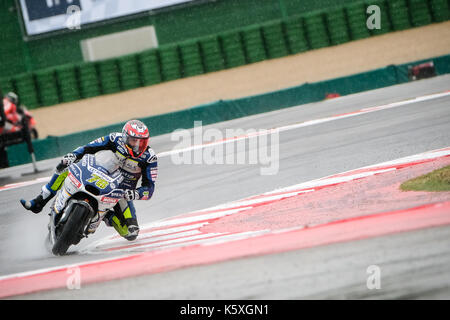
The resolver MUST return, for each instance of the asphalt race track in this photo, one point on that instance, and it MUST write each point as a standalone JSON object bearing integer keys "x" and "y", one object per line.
{"x": 413, "y": 264}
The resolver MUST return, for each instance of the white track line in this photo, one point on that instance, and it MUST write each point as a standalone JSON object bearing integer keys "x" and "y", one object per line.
{"x": 220, "y": 238}
{"x": 309, "y": 123}
{"x": 169, "y": 243}
{"x": 191, "y": 237}
{"x": 269, "y": 131}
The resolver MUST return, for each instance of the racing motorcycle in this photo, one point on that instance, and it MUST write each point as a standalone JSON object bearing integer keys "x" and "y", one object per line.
{"x": 92, "y": 187}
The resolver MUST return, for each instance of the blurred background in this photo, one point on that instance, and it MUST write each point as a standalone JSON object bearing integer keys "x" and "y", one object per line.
{"x": 100, "y": 63}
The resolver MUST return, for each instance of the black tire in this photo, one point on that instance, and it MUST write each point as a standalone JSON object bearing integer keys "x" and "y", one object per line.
{"x": 72, "y": 229}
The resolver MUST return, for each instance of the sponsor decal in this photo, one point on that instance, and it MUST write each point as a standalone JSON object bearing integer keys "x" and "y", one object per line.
{"x": 132, "y": 166}
{"x": 154, "y": 173}
{"x": 121, "y": 150}
{"x": 109, "y": 200}
{"x": 99, "y": 140}
{"x": 74, "y": 180}
{"x": 152, "y": 159}
{"x": 99, "y": 182}
{"x": 145, "y": 195}
{"x": 116, "y": 195}
{"x": 112, "y": 136}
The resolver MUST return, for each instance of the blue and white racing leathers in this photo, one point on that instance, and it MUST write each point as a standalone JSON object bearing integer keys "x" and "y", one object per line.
{"x": 145, "y": 167}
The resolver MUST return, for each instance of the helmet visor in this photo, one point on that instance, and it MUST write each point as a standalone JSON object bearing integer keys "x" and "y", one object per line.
{"x": 137, "y": 146}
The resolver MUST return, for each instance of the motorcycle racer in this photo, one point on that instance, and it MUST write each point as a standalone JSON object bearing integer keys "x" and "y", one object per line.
{"x": 136, "y": 159}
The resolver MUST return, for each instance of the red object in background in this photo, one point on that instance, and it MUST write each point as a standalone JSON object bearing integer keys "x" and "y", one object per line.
{"x": 422, "y": 71}
{"x": 11, "y": 111}
{"x": 14, "y": 119}
{"x": 332, "y": 95}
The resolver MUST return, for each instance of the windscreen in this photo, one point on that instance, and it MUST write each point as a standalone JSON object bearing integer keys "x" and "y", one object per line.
{"x": 107, "y": 160}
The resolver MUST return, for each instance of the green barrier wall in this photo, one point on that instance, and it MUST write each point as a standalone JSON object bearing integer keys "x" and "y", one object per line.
{"x": 224, "y": 110}
{"x": 273, "y": 39}
{"x": 190, "y": 21}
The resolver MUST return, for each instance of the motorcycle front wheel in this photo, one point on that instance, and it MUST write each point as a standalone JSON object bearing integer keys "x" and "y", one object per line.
{"x": 72, "y": 229}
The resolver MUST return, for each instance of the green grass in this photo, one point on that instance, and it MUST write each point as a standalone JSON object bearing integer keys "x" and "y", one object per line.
{"x": 437, "y": 180}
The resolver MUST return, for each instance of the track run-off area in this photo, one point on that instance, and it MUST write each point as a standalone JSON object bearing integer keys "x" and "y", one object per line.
{"x": 327, "y": 213}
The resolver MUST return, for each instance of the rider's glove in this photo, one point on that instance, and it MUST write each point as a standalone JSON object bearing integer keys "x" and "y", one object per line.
{"x": 131, "y": 195}
{"x": 66, "y": 161}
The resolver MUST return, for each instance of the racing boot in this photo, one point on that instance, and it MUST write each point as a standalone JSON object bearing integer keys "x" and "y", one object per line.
{"x": 37, "y": 204}
{"x": 48, "y": 191}
{"x": 133, "y": 229}
{"x": 127, "y": 228}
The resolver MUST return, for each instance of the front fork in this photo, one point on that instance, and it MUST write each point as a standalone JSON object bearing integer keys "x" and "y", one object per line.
{"x": 95, "y": 222}
{"x": 61, "y": 199}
